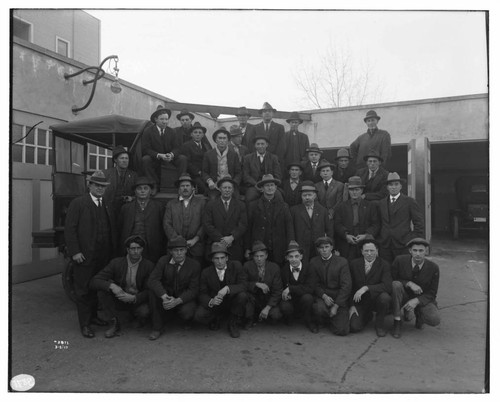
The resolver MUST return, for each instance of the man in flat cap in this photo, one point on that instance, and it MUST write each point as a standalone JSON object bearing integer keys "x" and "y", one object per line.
{"x": 222, "y": 292}
{"x": 343, "y": 169}
{"x": 373, "y": 139}
{"x": 90, "y": 236}
{"x": 247, "y": 130}
{"x": 122, "y": 285}
{"x": 371, "y": 288}
{"x": 174, "y": 286}
{"x": 332, "y": 288}
{"x": 290, "y": 187}
{"x": 274, "y": 132}
{"x": 295, "y": 142}
{"x": 310, "y": 169}
{"x": 414, "y": 287}
{"x": 330, "y": 192}
{"x": 373, "y": 176}
{"x": 398, "y": 213}
{"x": 160, "y": 144}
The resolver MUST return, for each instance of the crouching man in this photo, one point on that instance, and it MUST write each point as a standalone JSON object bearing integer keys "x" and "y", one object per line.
{"x": 222, "y": 292}
{"x": 122, "y": 285}
{"x": 414, "y": 287}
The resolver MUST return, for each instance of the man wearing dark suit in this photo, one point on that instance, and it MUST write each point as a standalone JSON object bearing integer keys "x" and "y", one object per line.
{"x": 90, "y": 237}
{"x": 236, "y": 143}
{"x": 247, "y": 130}
{"x": 310, "y": 220}
{"x": 263, "y": 287}
{"x": 330, "y": 192}
{"x": 371, "y": 288}
{"x": 295, "y": 142}
{"x": 122, "y": 285}
{"x": 256, "y": 165}
{"x": 414, "y": 287}
{"x": 373, "y": 177}
{"x": 220, "y": 162}
{"x": 160, "y": 144}
{"x": 397, "y": 213}
{"x": 183, "y": 218}
{"x": 310, "y": 169}
{"x": 290, "y": 187}
{"x": 274, "y": 132}
{"x": 269, "y": 221}
{"x": 184, "y": 130}
{"x": 174, "y": 286}
{"x": 343, "y": 169}
{"x": 298, "y": 287}
{"x": 354, "y": 220}
{"x": 144, "y": 217}
{"x": 225, "y": 219}
{"x": 222, "y": 291}
{"x": 332, "y": 288}
{"x": 195, "y": 150}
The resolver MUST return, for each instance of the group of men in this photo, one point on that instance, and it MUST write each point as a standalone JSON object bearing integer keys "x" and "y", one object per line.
{"x": 312, "y": 239}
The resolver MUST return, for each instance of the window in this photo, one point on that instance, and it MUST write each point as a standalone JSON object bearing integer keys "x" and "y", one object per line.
{"x": 62, "y": 46}
{"x": 34, "y": 148}
{"x": 99, "y": 158}
{"x": 22, "y": 29}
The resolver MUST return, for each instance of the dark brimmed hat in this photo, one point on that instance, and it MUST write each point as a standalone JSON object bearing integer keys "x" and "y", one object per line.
{"x": 267, "y": 178}
{"x": 323, "y": 164}
{"x": 343, "y": 153}
{"x": 294, "y": 246}
{"x": 370, "y": 114}
{"x": 308, "y": 186}
{"x": 179, "y": 241}
{"x": 323, "y": 240}
{"x": 368, "y": 239}
{"x": 218, "y": 247}
{"x": 225, "y": 179}
{"x": 185, "y": 112}
{"x": 221, "y": 130}
{"x": 184, "y": 177}
{"x": 135, "y": 239}
{"x": 418, "y": 240}
{"x": 98, "y": 178}
{"x": 373, "y": 154}
{"x": 355, "y": 182}
{"x": 258, "y": 246}
{"x": 294, "y": 116}
{"x": 235, "y": 130}
{"x": 314, "y": 148}
{"x": 118, "y": 150}
{"x": 260, "y": 137}
{"x": 197, "y": 125}
{"x": 143, "y": 180}
{"x": 393, "y": 176}
{"x": 243, "y": 111}
{"x": 298, "y": 164}
{"x": 160, "y": 110}
{"x": 266, "y": 106}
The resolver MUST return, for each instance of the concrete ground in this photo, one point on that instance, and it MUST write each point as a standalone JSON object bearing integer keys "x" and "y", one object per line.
{"x": 274, "y": 359}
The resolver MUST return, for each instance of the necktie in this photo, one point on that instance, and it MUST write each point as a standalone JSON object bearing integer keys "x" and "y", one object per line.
{"x": 293, "y": 184}
{"x": 326, "y": 186}
{"x": 162, "y": 131}
{"x": 267, "y": 127}
{"x": 99, "y": 205}
{"x": 310, "y": 211}
{"x": 177, "y": 267}
{"x": 393, "y": 200}
{"x": 371, "y": 175}
{"x": 295, "y": 270}
{"x": 314, "y": 168}
{"x": 368, "y": 267}
{"x": 261, "y": 158}
{"x": 226, "y": 205}
{"x": 414, "y": 272}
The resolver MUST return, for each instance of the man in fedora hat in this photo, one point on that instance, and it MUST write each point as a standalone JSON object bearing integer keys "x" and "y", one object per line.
{"x": 195, "y": 150}
{"x": 343, "y": 169}
{"x": 371, "y": 288}
{"x": 330, "y": 192}
{"x": 290, "y": 187}
{"x": 298, "y": 287}
{"x": 122, "y": 285}
{"x": 263, "y": 286}
{"x": 236, "y": 142}
{"x": 256, "y": 165}
{"x": 295, "y": 142}
{"x": 398, "y": 213}
{"x": 373, "y": 139}
{"x": 186, "y": 118}
{"x": 310, "y": 220}
{"x": 310, "y": 169}
{"x": 90, "y": 237}
{"x": 121, "y": 180}
{"x": 174, "y": 286}
{"x": 355, "y": 220}
{"x": 183, "y": 217}
{"x": 222, "y": 291}
{"x": 332, "y": 287}
{"x": 160, "y": 144}
{"x": 269, "y": 221}
{"x": 415, "y": 286}
{"x": 220, "y": 162}
{"x": 144, "y": 217}
{"x": 373, "y": 176}
{"x": 274, "y": 132}
{"x": 225, "y": 219}
{"x": 247, "y": 130}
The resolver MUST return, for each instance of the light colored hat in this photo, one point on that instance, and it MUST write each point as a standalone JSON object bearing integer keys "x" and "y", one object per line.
{"x": 218, "y": 247}
{"x": 98, "y": 178}
{"x": 266, "y": 106}
{"x": 294, "y": 246}
{"x": 267, "y": 178}
{"x": 342, "y": 153}
{"x": 394, "y": 176}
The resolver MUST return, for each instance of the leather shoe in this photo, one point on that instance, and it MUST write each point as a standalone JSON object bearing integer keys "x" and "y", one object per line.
{"x": 87, "y": 332}
{"x": 154, "y": 335}
{"x": 313, "y": 327}
{"x": 214, "y": 325}
{"x": 97, "y": 321}
{"x": 233, "y": 328}
{"x": 114, "y": 329}
{"x": 396, "y": 330}
{"x": 381, "y": 332}
{"x": 419, "y": 322}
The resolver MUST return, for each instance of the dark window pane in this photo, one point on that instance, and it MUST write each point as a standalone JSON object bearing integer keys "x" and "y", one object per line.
{"x": 30, "y": 155}
{"x": 102, "y": 161}
{"x": 110, "y": 162}
{"x": 41, "y": 156}
{"x": 17, "y": 132}
{"x": 92, "y": 149}
{"x": 21, "y": 29}
{"x": 42, "y": 137}
{"x": 92, "y": 162}
{"x": 30, "y": 138}
{"x": 51, "y": 157}
{"x": 17, "y": 153}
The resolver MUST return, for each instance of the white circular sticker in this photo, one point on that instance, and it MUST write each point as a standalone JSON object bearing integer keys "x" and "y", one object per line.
{"x": 22, "y": 382}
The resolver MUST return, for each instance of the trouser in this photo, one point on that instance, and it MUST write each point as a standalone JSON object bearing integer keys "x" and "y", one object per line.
{"x": 298, "y": 306}
{"x": 232, "y": 304}
{"x": 389, "y": 254}
{"x": 381, "y": 305}
{"x": 111, "y": 305}
{"x": 152, "y": 167}
{"x": 160, "y": 316}
{"x": 256, "y": 302}
{"x": 428, "y": 313}
{"x": 339, "y": 323}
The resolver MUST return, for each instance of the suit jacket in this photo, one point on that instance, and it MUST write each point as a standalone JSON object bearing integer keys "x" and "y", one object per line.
{"x": 427, "y": 278}
{"x": 303, "y": 285}
{"x": 369, "y": 221}
{"x": 251, "y": 168}
{"x": 116, "y": 272}
{"x": 242, "y": 151}
{"x": 80, "y": 231}
{"x": 218, "y": 222}
{"x": 291, "y": 197}
{"x": 113, "y": 194}
{"x": 248, "y": 137}
{"x": 395, "y": 230}
{"x": 333, "y": 279}
{"x": 155, "y": 235}
{"x": 282, "y": 226}
{"x": 378, "y": 280}
{"x": 153, "y": 143}
{"x": 375, "y": 188}
{"x": 234, "y": 277}
{"x": 272, "y": 278}
{"x": 174, "y": 225}
{"x": 195, "y": 156}
{"x": 165, "y": 279}
{"x": 303, "y": 144}
{"x": 342, "y": 175}
{"x": 307, "y": 171}
{"x": 330, "y": 199}
{"x": 276, "y": 137}
{"x": 307, "y": 230}
{"x": 186, "y": 137}
{"x": 210, "y": 166}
